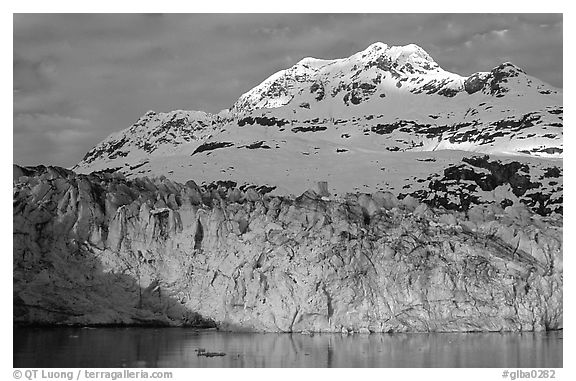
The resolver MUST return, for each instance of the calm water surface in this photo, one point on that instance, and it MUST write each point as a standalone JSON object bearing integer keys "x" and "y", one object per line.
{"x": 175, "y": 348}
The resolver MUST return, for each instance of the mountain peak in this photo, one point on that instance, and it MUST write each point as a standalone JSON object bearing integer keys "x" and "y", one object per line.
{"x": 399, "y": 55}
{"x": 378, "y": 66}
{"x": 375, "y": 47}
{"x": 508, "y": 67}
{"x": 311, "y": 61}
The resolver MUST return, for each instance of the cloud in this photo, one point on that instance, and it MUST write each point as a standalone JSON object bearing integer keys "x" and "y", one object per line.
{"x": 48, "y": 123}
{"x": 49, "y": 136}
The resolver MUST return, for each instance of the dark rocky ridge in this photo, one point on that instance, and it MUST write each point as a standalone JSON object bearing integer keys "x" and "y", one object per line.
{"x": 99, "y": 249}
{"x": 461, "y": 186}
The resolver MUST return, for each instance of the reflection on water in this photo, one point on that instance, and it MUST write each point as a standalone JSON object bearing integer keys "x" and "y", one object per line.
{"x": 175, "y": 347}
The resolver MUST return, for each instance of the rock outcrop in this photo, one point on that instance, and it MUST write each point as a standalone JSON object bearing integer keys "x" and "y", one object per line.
{"x": 100, "y": 249}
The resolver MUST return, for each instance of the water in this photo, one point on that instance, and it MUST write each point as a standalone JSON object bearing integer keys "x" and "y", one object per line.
{"x": 175, "y": 348}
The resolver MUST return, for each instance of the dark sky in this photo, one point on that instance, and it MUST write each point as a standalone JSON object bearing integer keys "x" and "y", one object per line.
{"x": 78, "y": 78}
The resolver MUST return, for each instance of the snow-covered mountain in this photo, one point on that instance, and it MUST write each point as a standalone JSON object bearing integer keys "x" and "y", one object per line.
{"x": 386, "y": 118}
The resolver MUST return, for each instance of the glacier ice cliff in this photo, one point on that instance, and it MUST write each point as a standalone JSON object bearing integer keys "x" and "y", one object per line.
{"x": 100, "y": 249}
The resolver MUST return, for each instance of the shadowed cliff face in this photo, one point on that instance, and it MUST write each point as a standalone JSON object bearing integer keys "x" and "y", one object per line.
{"x": 100, "y": 249}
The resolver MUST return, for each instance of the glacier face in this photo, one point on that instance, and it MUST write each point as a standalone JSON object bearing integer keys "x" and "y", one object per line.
{"x": 99, "y": 249}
